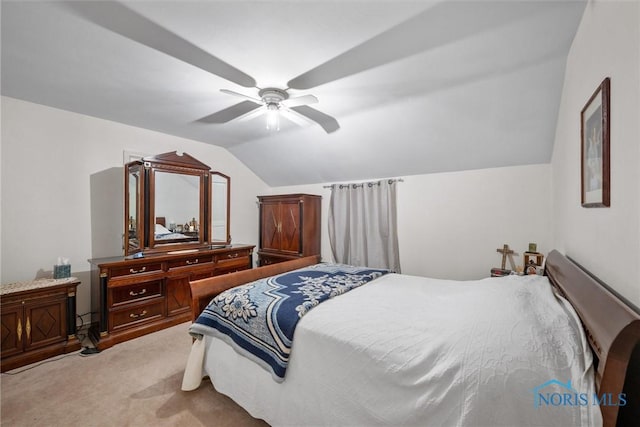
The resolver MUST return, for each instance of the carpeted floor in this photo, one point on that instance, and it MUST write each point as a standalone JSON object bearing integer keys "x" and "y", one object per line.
{"x": 136, "y": 383}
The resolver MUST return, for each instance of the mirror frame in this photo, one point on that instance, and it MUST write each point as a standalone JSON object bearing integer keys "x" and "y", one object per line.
{"x": 139, "y": 229}
{"x": 174, "y": 163}
{"x": 227, "y": 241}
{"x": 202, "y": 237}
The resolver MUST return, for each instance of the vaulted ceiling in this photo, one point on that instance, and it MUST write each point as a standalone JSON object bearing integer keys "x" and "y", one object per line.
{"x": 415, "y": 87}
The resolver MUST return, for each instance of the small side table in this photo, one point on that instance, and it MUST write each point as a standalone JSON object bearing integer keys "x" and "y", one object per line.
{"x": 38, "y": 320}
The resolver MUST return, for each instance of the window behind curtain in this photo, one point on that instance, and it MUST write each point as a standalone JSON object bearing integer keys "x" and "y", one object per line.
{"x": 363, "y": 224}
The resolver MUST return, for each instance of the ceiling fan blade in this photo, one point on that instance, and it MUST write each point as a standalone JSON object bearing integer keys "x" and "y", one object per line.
{"x": 251, "y": 114}
{"x": 241, "y": 95}
{"x": 120, "y": 19}
{"x": 230, "y": 113}
{"x": 328, "y": 123}
{"x": 296, "y": 118}
{"x": 428, "y": 29}
{"x": 300, "y": 100}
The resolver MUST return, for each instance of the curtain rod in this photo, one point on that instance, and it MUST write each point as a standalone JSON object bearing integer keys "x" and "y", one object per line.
{"x": 360, "y": 184}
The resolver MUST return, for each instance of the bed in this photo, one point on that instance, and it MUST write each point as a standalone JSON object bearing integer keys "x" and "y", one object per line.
{"x": 161, "y": 232}
{"x": 461, "y": 356}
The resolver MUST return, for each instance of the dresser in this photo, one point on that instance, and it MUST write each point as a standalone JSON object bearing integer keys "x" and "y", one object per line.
{"x": 289, "y": 227}
{"x": 38, "y": 320}
{"x": 132, "y": 297}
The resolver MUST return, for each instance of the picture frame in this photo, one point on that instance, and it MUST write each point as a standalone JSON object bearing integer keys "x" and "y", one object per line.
{"x": 533, "y": 257}
{"x": 533, "y": 262}
{"x": 595, "y": 121}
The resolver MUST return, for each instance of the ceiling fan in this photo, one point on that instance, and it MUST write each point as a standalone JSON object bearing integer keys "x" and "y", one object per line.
{"x": 122, "y": 20}
{"x": 273, "y": 102}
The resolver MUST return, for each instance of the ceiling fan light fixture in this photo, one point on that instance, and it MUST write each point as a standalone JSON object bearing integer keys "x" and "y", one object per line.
{"x": 273, "y": 116}
{"x": 272, "y": 97}
{"x": 273, "y": 102}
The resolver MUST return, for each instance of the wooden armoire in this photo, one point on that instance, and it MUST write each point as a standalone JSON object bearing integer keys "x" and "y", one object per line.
{"x": 289, "y": 227}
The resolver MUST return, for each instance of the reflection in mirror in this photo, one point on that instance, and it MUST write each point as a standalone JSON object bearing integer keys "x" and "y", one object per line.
{"x": 177, "y": 207}
{"x": 220, "y": 208}
{"x": 131, "y": 215}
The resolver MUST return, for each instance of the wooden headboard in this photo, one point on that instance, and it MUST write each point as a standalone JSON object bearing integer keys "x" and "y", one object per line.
{"x": 161, "y": 220}
{"x": 613, "y": 331}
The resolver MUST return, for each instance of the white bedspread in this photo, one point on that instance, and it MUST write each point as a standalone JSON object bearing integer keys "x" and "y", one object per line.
{"x": 406, "y": 350}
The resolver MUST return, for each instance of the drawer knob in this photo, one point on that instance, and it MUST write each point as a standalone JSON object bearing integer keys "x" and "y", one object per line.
{"x": 136, "y": 316}
{"x": 142, "y": 270}
{"x": 233, "y": 255}
{"x": 135, "y": 294}
{"x": 191, "y": 262}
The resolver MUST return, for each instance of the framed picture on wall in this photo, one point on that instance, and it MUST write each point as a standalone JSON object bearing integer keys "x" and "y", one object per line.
{"x": 594, "y": 152}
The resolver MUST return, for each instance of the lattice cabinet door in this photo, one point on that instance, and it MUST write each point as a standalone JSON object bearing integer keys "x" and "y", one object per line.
{"x": 45, "y": 322}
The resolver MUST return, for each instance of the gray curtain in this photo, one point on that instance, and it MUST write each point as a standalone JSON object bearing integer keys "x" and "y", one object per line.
{"x": 362, "y": 224}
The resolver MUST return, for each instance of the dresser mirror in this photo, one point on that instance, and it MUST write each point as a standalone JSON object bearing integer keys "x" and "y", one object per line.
{"x": 220, "y": 198}
{"x": 133, "y": 225}
{"x": 171, "y": 202}
{"x": 177, "y": 209}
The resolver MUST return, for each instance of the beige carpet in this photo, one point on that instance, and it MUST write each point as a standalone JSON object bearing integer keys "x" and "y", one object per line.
{"x": 136, "y": 383}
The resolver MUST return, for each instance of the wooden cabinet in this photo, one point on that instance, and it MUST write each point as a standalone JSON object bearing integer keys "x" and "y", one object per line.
{"x": 179, "y": 193}
{"x": 133, "y": 297}
{"x": 38, "y": 321}
{"x": 289, "y": 227}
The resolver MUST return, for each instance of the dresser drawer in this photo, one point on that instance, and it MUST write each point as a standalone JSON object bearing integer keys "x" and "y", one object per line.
{"x": 233, "y": 264}
{"x": 231, "y": 255}
{"x": 140, "y": 313}
{"x": 139, "y": 291}
{"x": 191, "y": 261}
{"x": 136, "y": 269}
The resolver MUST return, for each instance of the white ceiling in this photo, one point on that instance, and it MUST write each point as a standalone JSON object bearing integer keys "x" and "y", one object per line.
{"x": 417, "y": 87}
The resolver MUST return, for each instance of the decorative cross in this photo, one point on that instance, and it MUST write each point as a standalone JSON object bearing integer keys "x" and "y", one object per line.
{"x": 505, "y": 251}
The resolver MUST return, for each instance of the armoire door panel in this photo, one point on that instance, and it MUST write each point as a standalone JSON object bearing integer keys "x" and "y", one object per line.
{"x": 270, "y": 235}
{"x": 290, "y": 229}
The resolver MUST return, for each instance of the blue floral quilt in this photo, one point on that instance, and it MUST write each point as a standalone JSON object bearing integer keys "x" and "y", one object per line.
{"x": 259, "y": 318}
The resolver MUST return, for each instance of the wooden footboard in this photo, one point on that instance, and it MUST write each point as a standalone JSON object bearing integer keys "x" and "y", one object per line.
{"x": 613, "y": 330}
{"x": 203, "y": 291}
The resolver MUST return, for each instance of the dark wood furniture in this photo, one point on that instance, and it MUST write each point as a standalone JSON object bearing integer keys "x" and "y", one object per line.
{"x": 612, "y": 327}
{"x": 147, "y": 289}
{"x": 133, "y": 297}
{"x": 38, "y": 320}
{"x": 613, "y": 330}
{"x": 289, "y": 227}
{"x": 174, "y": 190}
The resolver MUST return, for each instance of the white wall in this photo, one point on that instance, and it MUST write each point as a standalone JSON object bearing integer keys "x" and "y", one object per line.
{"x": 48, "y": 157}
{"x": 604, "y": 240}
{"x": 451, "y": 224}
